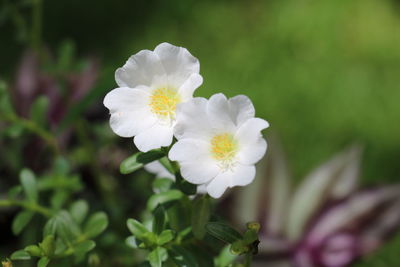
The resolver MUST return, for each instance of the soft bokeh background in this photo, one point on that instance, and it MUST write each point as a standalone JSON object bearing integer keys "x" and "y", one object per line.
{"x": 324, "y": 73}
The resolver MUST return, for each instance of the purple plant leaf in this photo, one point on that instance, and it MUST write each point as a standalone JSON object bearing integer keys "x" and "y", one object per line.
{"x": 334, "y": 179}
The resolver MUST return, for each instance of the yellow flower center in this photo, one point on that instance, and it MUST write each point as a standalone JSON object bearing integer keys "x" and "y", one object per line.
{"x": 224, "y": 148}
{"x": 163, "y": 102}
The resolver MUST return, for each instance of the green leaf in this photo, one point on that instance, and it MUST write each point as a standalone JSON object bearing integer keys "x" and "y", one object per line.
{"x": 159, "y": 219}
{"x": 183, "y": 257}
{"x": 39, "y": 110}
{"x": 48, "y": 245}
{"x": 163, "y": 197}
{"x": 79, "y": 210}
{"x": 34, "y": 250}
{"x": 185, "y": 186}
{"x": 21, "y": 220}
{"x": 165, "y": 237}
{"x": 157, "y": 256}
{"x": 136, "y": 228}
{"x": 132, "y": 242}
{"x": 139, "y": 159}
{"x": 162, "y": 184}
{"x": 200, "y": 216}
{"x": 28, "y": 181}
{"x": 85, "y": 246}
{"x": 43, "y": 262}
{"x": 167, "y": 164}
{"x": 61, "y": 166}
{"x": 223, "y": 232}
{"x": 58, "y": 198}
{"x": 50, "y": 227}
{"x": 96, "y": 224}
{"x": 20, "y": 255}
{"x": 67, "y": 228}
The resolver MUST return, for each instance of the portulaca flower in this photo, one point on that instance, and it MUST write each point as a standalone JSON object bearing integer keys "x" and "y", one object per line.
{"x": 151, "y": 84}
{"x": 219, "y": 141}
{"x": 160, "y": 171}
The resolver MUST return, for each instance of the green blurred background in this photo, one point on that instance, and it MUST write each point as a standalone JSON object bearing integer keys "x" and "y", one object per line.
{"x": 324, "y": 73}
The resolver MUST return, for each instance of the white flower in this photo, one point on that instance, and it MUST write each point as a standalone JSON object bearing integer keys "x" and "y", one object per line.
{"x": 160, "y": 171}
{"x": 219, "y": 141}
{"x": 151, "y": 84}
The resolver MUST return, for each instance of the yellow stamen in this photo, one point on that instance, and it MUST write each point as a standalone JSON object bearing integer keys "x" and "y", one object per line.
{"x": 223, "y": 147}
{"x": 163, "y": 102}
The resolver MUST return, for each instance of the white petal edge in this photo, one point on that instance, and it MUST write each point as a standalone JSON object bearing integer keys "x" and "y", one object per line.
{"x": 189, "y": 86}
{"x": 251, "y": 153}
{"x": 241, "y": 109}
{"x": 218, "y": 112}
{"x": 178, "y": 63}
{"x": 155, "y": 137}
{"x": 250, "y": 131}
{"x": 143, "y": 68}
{"x": 199, "y": 172}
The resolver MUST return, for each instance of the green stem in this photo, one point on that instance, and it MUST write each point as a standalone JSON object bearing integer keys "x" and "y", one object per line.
{"x": 248, "y": 259}
{"x": 36, "y": 129}
{"x": 26, "y": 205}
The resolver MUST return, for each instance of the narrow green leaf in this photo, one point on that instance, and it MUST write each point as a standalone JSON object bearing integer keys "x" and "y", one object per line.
{"x": 139, "y": 159}
{"x": 165, "y": 237}
{"x": 20, "y": 255}
{"x": 34, "y": 250}
{"x": 157, "y": 256}
{"x": 48, "y": 245}
{"x": 79, "y": 210}
{"x": 28, "y": 181}
{"x": 223, "y": 232}
{"x": 185, "y": 186}
{"x": 200, "y": 215}
{"x": 159, "y": 219}
{"x": 50, "y": 227}
{"x": 136, "y": 228}
{"x": 183, "y": 257}
{"x": 132, "y": 242}
{"x": 96, "y": 224}
{"x": 163, "y": 197}
{"x": 43, "y": 262}
{"x": 39, "y": 110}
{"x": 67, "y": 228}
{"x": 85, "y": 246}
{"x": 21, "y": 220}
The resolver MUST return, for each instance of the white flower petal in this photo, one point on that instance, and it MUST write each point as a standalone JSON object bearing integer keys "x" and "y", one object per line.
{"x": 192, "y": 120}
{"x": 189, "y": 86}
{"x": 155, "y": 137}
{"x": 125, "y": 98}
{"x": 218, "y": 112}
{"x": 178, "y": 63}
{"x": 241, "y": 175}
{"x": 199, "y": 172}
{"x": 241, "y": 109}
{"x": 218, "y": 185}
{"x": 159, "y": 170}
{"x": 127, "y": 108}
{"x": 189, "y": 150}
{"x": 250, "y": 131}
{"x": 143, "y": 68}
{"x": 251, "y": 153}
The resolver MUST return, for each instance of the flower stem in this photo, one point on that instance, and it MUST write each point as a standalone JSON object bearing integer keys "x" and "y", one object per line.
{"x": 248, "y": 259}
{"x": 36, "y": 129}
{"x": 26, "y": 205}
